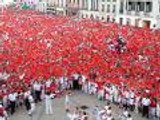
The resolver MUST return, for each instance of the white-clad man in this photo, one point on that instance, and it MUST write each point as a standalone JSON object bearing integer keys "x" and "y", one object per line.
{"x": 48, "y": 102}
{"x": 132, "y": 100}
{"x": 12, "y": 98}
{"x": 111, "y": 94}
{"x": 115, "y": 94}
{"x": 38, "y": 90}
{"x": 146, "y": 103}
{"x": 32, "y": 104}
{"x": 26, "y": 100}
{"x": 48, "y": 83}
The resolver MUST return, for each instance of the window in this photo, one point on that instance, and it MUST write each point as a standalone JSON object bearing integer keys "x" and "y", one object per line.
{"x": 121, "y": 8}
{"x": 133, "y": 6}
{"x": 114, "y": 8}
{"x": 108, "y": 8}
{"x": 148, "y": 6}
{"x": 141, "y": 6}
{"x": 103, "y": 8}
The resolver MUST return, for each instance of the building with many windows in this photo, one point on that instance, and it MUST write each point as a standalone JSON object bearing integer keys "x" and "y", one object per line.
{"x": 62, "y": 7}
{"x": 140, "y": 13}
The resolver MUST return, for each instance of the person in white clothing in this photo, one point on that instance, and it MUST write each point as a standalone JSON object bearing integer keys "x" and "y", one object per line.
{"x": 32, "y": 105}
{"x": 101, "y": 94}
{"x": 115, "y": 94}
{"x": 109, "y": 111}
{"x": 67, "y": 101}
{"x": 124, "y": 115}
{"x": 74, "y": 115}
{"x": 12, "y": 98}
{"x": 38, "y": 90}
{"x": 26, "y": 100}
{"x": 107, "y": 93}
{"x": 111, "y": 94}
{"x": 146, "y": 103}
{"x": 97, "y": 112}
{"x": 48, "y": 102}
{"x": 137, "y": 103}
{"x": 48, "y": 83}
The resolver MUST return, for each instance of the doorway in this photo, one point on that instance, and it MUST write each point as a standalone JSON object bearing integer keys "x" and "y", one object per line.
{"x": 146, "y": 23}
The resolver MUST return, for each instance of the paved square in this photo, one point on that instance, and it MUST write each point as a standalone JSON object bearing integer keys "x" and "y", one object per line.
{"x": 78, "y": 99}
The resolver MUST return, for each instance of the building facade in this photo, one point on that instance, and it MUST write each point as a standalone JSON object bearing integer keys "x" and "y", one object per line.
{"x": 140, "y": 13}
{"x": 61, "y": 7}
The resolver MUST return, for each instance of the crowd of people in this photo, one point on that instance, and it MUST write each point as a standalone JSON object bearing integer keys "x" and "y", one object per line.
{"x": 117, "y": 63}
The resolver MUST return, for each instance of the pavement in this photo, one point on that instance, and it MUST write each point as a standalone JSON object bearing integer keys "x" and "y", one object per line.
{"x": 78, "y": 99}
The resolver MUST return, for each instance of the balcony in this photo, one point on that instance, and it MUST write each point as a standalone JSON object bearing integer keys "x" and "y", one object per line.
{"x": 139, "y": 13}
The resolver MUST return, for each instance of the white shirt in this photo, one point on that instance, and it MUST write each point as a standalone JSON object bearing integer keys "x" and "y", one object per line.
{"x": 12, "y": 97}
{"x": 48, "y": 99}
{"x": 131, "y": 101}
{"x": 31, "y": 100}
{"x": 61, "y": 80}
{"x": 48, "y": 83}
{"x": 76, "y": 76}
{"x": 146, "y": 102}
{"x": 127, "y": 94}
{"x": 132, "y": 95}
{"x": 83, "y": 78}
{"x": 26, "y": 94}
{"x": 37, "y": 86}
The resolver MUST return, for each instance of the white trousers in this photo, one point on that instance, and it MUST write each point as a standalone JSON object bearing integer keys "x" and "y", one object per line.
{"x": 49, "y": 109}
{"x": 33, "y": 107}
